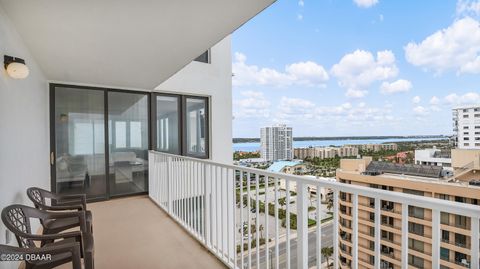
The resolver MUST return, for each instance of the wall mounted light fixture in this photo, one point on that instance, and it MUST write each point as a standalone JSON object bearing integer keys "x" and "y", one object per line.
{"x": 15, "y": 67}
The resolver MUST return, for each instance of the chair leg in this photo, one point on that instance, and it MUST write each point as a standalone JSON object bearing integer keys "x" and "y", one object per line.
{"x": 88, "y": 261}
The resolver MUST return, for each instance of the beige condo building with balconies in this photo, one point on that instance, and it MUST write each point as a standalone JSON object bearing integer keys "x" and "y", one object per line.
{"x": 455, "y": 230}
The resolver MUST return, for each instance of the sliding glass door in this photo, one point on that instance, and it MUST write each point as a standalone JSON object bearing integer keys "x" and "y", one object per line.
{"x": 100, "y": 141}
{"x": 78, "y": 158}
{"x": 128, "y": 115}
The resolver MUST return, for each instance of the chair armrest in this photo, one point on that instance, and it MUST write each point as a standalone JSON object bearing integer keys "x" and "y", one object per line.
{"x": 74, "y": 199}
{"x": 82, "y": 220}
{"x": 38, "y": 237}
{"x": 63, "y": 207}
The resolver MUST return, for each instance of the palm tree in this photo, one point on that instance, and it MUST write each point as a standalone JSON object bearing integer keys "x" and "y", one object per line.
{"x": 327, "y": 252}
{"x": 330, "y": 203}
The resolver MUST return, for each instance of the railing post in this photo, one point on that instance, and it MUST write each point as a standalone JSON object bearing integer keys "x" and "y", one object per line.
{"x": 302, "y": 226}
{"x": 169, "y": 185}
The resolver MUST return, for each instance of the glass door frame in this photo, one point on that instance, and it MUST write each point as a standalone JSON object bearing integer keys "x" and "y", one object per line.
{"x": 53, "y": 177}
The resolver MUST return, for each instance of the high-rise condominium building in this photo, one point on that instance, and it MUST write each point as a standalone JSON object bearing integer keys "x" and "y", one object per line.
{"x": 276, "y": 143}
{"x": 466, "y": 127}
{"x": 455, "y": 230}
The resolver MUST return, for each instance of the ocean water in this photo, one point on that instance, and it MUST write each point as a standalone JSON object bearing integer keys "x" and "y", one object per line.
{"x": 249, "y": 147}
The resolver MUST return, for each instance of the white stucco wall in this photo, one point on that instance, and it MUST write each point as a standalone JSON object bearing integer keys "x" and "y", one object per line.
{"x": 213, "y": 80}
{"x": 24, "y": 134}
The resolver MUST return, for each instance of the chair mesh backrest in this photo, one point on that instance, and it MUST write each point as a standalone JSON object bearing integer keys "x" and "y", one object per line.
{"x": 17, "y": 218}
{"x": 36, "y": 196}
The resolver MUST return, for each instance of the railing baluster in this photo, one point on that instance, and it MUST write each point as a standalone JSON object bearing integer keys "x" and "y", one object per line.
{"x": 211, "y": 201}
{"x": 319, "y": 228}
{"x": 241, "y": 219}
{"x": 377, "y": 232}
{"x": 335, "y": 228}
{"x": 287, "y": 221}
{"x": 266, "y": 222}
{"x": 302, "y": 226}
{"x": 355, "y": 231}
{"x": 257, "y": 219}
{"x": 249, "y": 250}
{"x": 435, "y": 239}
{"x": 404, "y": 235}
{"x": 275, "y": 188}
{"x": 206, "y": 207}
{"x": 217, "y": 211}
{"x": 234, "y": 217}
{"x": 189, "y": 195}
{"x": 222, "y": 214}
{"x": 474, "y": 228}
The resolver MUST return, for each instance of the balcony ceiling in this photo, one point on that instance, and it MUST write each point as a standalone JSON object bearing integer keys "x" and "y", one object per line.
{"x": 123, "y": 43}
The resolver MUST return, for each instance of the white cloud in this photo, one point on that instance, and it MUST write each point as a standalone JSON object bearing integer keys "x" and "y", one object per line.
{"x": 454, "y": 48}
{"x": 468, "y": 7}
{"x": 306, "y": 73}
{"x": 416, "y": 99}
{"x": 299, "y": 17}
{"x": 420, "y": 111}
{"x": 356, "y": 71}
{"x": 301, "y": 3}
{"x": 254, "y": 105}
{"x": 467, "y": 98}
{"x": 434, "y": 101}
{"x": 295, "y": 110}
{"x": 380, "y": 17}
{"x": 351, "y": 93}
{"x": 400, "y": 85}
{"x": 365, "y": 3}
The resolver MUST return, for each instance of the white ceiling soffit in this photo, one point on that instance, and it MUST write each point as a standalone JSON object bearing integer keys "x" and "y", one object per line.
{"x": 124, "y": 43}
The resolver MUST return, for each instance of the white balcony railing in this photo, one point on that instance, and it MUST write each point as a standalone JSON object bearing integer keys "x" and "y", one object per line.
{"x": 204, "y": 197}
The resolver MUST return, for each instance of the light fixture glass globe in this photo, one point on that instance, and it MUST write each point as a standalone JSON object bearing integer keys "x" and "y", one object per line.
{"x": 17, "y": 70}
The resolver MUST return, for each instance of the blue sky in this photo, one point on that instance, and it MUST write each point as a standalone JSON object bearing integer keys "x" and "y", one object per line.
{"x": 356, "y": 67}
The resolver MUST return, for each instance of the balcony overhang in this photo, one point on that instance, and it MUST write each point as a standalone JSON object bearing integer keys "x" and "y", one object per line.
{"x": 128, "y": 44}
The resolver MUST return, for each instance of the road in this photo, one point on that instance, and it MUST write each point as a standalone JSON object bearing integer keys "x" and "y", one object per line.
{"x": 327, "y": 241}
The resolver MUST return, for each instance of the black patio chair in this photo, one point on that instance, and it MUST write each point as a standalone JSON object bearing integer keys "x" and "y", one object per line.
{"x": 17, "y": 219}
{"x": 46, "y": 200}
{"x": 44, "y": 257}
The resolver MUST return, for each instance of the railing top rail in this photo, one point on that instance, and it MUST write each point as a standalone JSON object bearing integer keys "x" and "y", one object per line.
{"x": 398, "y": 197}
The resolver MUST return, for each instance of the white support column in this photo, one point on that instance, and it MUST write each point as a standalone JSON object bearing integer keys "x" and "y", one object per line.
{"x": 335, "y": 229}
{"x": 435, "y": 239}
{"x": 404, "y": 236}
{"x": 354, "y": 231}
{"x": 302, "y": 226}
{"x": 378, "y": 232}
{"x": 475, "y": 227}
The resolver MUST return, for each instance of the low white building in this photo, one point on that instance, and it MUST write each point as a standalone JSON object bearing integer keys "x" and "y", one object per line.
{"x": 433, "y": 156}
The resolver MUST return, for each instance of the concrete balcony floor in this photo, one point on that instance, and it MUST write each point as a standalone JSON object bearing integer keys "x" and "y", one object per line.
{"x": 135, "y": 233}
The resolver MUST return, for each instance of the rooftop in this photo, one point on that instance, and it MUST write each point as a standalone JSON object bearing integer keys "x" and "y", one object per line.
{"x": 405, "y": 169}
{"x": 279, "y": 165}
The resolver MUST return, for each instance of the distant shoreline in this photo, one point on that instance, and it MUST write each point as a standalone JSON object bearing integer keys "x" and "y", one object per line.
{"x": 314, "y": 138}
